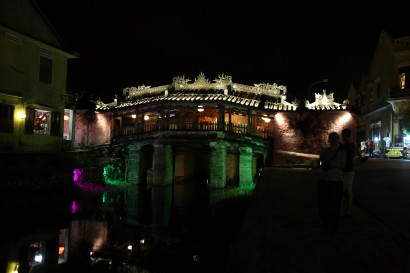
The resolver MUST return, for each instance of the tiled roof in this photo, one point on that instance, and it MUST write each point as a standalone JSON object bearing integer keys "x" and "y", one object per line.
{"x": 261, "y": 96}
{"x": 240, "y": 98}
{"x": 222, "y": 89}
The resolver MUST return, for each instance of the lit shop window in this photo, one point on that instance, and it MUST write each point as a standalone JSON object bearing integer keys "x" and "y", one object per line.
{"x": 41, "y": 122}
{"x": 402, "y": 80}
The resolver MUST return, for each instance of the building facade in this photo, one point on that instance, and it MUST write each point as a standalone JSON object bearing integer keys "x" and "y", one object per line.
{"x": 383, "y": 95}
{"x": 36, "y": 122}
{"x": 35, "y": 113}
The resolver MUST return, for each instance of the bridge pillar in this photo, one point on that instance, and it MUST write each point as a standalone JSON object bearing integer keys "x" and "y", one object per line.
{"x": 217, "y": 168}
{"x": 245, "y": 166}
{"x": 162, "y": 165}
{"x": 132, "y": 176}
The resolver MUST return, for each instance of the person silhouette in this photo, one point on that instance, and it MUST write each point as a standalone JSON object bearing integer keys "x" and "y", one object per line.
{"x": 348, "y": 173}
{"x": 330, "y": 187}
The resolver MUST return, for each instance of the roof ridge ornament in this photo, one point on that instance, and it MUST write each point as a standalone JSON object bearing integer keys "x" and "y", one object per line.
{"x": 201, "y": 82}
{"x": 271, "y": 89}
{"x": 201, "y": 79}
{"x": 223, "y": 79}
{"x": 180, "y": 81}
{"x": 132, "y": 92}
{"x": 325, "y": 101}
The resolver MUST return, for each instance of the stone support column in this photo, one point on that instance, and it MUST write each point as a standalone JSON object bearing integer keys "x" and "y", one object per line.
{"x": 217, "y": 164}
{"x": 162, "y": 184}
{"x": 132, "y": 177}
{"x": 245, "y": 166}
{"x": 162, "y": 165}
{"x": 132, "y": 172}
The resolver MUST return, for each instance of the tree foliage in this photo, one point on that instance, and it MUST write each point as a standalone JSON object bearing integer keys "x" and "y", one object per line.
{"x": 405, "y": 122}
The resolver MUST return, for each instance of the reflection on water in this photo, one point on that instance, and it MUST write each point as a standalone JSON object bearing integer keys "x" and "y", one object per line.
{"x": 185, "y": 226}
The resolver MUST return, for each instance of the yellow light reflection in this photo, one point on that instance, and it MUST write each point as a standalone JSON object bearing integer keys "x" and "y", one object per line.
{"x": 22, "y": 115}
{"x": 12, "y": 267}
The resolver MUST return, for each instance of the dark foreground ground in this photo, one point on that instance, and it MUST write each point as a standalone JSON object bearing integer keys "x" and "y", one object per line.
{"x": 282, "y": 233}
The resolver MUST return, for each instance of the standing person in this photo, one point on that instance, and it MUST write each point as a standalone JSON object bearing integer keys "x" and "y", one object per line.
{"x": 330, "y": 187}
{"x": 363, "y": 149}
{"x": 370, "y": 148}
{"x": 348, "y": 173}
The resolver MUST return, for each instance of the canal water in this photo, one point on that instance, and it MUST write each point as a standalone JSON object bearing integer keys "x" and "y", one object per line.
{"x": 186, "y": 226}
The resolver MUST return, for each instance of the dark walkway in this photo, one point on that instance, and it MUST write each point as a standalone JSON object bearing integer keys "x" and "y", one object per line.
{"x": 282, "y": 233}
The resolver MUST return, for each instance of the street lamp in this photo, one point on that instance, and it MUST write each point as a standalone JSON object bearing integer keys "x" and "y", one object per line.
{"x": 312, "y": 84}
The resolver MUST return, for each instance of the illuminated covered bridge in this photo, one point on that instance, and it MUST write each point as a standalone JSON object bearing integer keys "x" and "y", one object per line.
{"x": 217, "y": 132}
{"x": 213, "y": 134}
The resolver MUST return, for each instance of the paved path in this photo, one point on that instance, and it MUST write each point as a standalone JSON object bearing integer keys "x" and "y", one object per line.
{"x": 282, "y": 233}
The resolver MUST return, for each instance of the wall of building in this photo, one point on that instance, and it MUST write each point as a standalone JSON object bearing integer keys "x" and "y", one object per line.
{"x": 21, "y": 88}
{"x": 299, "y": 137}
{"x": 379, "y": 95}
{"x": 92, "y": 129}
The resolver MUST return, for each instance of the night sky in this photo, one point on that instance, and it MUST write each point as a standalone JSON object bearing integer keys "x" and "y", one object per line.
{"x": 131, "y": 43}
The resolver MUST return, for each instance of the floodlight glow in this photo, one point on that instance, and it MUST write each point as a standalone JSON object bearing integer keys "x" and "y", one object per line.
{"x": 346, "y": 117}
{"x": 38, "y": 258}
{"x": 195, "y": 258}
{"x": 280, "y": 119}
{"x": 16, "y": 267}
{"x": 22, "y": 115}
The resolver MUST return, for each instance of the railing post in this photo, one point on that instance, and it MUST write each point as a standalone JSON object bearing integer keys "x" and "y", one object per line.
{"x": 249, "y": 127}
{"x": 221, "y": 118}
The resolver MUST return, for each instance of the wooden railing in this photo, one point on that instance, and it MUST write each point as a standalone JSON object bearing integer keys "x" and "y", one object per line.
{"x": 149, "y": 127}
